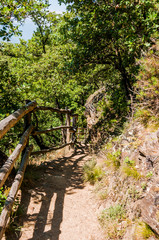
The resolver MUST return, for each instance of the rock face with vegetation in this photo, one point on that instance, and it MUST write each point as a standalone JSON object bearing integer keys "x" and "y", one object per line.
{"x": 125, "y": 171}
{"x": 149, "y": 205}
{"x": 91, "y": 112}
{"x": 126, "y": 184}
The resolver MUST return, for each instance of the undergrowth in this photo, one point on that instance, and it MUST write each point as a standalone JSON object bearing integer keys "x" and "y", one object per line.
{"x": 129, "y": 169}
{"x": 17, "y": 211}
{"x": 32, "y": 174}
{"x": 125, "y": 182}
{"x": 113, "y": 212}
{"x": 92, "y": 172}
{"x": 147, "y": 89}
{"x": 2, "y": 199}
{"x": 113, "y": 159}
{"x": 142, "y": 231}
{"x": 110, "y": 219}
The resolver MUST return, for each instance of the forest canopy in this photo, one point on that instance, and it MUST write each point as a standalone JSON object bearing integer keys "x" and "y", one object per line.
{"x": 94, "y": 44}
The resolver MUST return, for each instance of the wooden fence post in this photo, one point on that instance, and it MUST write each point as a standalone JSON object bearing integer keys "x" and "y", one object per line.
{"x": 85, "y": 133}
{"x": 68, "y": 130}
{"x": 74, "y": 126}
{"x": 27, "y": 123}
{"x": 78, "y": 134}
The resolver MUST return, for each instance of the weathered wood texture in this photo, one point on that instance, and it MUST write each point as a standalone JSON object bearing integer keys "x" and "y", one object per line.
{"x": 27, "y": 118}
{"x": 68, "y": 126}
{"x": 27, "y": 123}
{"x": 7, "y": 123}
{"x": 51, "y": 149}
{"x": 68, "y": 135}
{"x": 54, "y": 109}
{"x": 9, "y": 164}
{"x": 74, "y": 128}
{"x": 5, "y": 215}
{"x": 25, "y": 150}
{"x": 81, "y": 133}
{"x": 50, "y": 130}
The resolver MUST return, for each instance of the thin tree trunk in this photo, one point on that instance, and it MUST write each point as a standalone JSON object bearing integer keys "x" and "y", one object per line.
{"x": 125, "y": 77}
{"x": 126, "y": 83}
{"x": 39, "y": 142}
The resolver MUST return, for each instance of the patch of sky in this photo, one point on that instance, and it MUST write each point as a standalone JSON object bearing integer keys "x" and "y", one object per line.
{"x": 29, "y": 27}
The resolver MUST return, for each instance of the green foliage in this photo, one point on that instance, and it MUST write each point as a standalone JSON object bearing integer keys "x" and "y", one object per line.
{"x": 103, "y": 36}
{"x": 144, "y": 186}
{"x": 9, "y": 95}
{"x": 2, "y": 199}
{"x": 149, "y": 174}
{"x": 129, "y": 162}
{"x": 14, "y": 226}
{"x": 142, "y": 230}
{"x": 71, "y": 56}
{"x": 147, "y": 88}
{"x": 110, "y": 219}
{"x": 144, "y": 115}
{"x": 113, "y": 106}
{"x": 134, "y": 193}
{"x": 113, "y": 159}
{"x": 92, "y": 173}
{"x": 131, "y": 172}
{"x": 113, "y": 212}
{"x": 129, "y": 169}
{"x": 11, "y": 10}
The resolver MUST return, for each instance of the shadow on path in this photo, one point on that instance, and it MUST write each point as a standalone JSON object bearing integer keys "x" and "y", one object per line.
{"x": 58, "y": 177}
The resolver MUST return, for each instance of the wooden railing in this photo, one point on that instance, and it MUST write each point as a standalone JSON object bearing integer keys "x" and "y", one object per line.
{"x": 82, "y": 134}
{"x": 25, "y": 150}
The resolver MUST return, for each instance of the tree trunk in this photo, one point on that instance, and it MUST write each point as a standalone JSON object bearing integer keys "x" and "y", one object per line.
{"x": 39, "y": 142}
{"x": 125, "y": 77}
{"x": 3, "y": 158}
{"x": 126, "y": 83}
{"x": 61, "y": 117}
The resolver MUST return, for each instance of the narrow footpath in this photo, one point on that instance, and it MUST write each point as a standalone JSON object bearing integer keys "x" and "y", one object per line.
{"x": 60, "y": 206}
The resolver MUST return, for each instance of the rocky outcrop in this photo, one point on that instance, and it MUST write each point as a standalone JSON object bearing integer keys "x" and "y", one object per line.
{"x": 134, "y": 182}
{"x": 91, "y": 112}
{"x": 150, "y": 207}
{"x": 142, "y": 146}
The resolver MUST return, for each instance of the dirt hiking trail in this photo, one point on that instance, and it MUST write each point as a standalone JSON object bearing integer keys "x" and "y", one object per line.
{"x": 60, "y": 206}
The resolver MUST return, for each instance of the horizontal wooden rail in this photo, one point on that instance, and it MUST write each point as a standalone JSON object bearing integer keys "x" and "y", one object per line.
{"x": 53, "y": 109}
{"x": 7, "y": 123}
{"x": 73, "y": 130}
{"x": 51, "y": 149}
{"x": 81, "y": 133}
{"x": 51, "y": 129}
{"x": 23, "y": 148}
{"x": 5, "y": 215}
{"x": 9, "y": 164}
